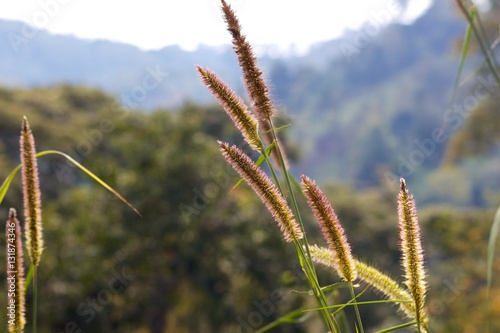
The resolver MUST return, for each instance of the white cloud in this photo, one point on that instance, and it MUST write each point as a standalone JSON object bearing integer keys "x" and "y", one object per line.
{"x": 152, "y": 24}
{"x": 414, "y": 10}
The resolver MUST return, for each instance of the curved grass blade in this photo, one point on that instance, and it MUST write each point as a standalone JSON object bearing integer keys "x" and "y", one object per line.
{"x": 91, "y": 175}
{"x": 463, "y": 56}
{"x": 6, "y": 184}
{"x": 335, "y": 286}
{"x": 351, "y": 303}
{"x": 396, "y": 328}
{"x": 469, "y": 15}
{"x": 293, "y": 317}
{"x": 301, "y": 315}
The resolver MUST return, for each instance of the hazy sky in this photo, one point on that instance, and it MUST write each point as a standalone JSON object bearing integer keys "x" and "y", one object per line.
{"x": 151, "y": 24}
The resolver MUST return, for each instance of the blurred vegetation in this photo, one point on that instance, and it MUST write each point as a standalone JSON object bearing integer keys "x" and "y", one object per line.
{"x": 480, "y": 135}
{"x": 204, "y": 258}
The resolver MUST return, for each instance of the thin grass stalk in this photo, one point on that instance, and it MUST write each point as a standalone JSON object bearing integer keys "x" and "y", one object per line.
{"x": 377, "y": 280}
{"x": 35, "y": 298}
{"x": 485, "y": 36}
{"x": 304, "y": 256}
{"x": 356, "y": 308}
{"x": 276, "y": 204}
{"x": 463, "y": 55}
{"x": 335, "y": 236}
{"x": 15, "y": 274}
{"x": 479, "y": 39}
{"x": 259, "y": 95}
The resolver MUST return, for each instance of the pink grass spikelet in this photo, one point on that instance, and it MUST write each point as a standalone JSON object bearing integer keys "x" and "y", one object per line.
{"x": 234, "y": 106}
{"x": 265, "y": 189}
{"x": 332, "y": 229}
{"x": 15, "y": 275}
{"x": 411, "y": 249}
{"x": 31, "y": 195}
{"x": 252, "y": 75}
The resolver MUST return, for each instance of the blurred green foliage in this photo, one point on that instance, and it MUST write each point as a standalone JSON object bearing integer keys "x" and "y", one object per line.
{"x": 204, "y": 258}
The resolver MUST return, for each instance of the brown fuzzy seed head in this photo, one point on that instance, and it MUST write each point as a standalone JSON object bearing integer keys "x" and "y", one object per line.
{"x": 31, "y": 195}
{"x": 412, "y": 256}
{"x": 234, "y": 106}
{"x": 265, "y": 189}
{"x": 331, "y": 228}
{"x": 252, "y": 75}
{"x": 15, "y": 272}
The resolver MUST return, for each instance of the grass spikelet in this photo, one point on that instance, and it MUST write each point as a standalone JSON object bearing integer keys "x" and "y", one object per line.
{"x": 252, "y": 75}
{"x": 411, "y": 249}
{"x": 379, "y": 281}
{"x": 234, "y": 106}
{"x": 15, "y": 274}
{"x": 31, "y": 195}
{"x": 265, "y": 189}
{"x": 332, "y": 230}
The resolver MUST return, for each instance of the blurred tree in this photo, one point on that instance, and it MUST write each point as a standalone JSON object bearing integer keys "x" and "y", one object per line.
{"x": 203, "y": 258}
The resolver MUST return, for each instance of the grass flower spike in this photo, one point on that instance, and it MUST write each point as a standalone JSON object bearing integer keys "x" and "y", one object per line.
{"x": 265, "y": 189}
{"x": 411, "y": 248}
{"x": 332, "y": 229}
{"x": 234, "y": 106}
{"x": 373, "y": 277}
{"x": 31, "y": 195}
{"x": 252, "y": 75}
{"x": 15, "y": 275}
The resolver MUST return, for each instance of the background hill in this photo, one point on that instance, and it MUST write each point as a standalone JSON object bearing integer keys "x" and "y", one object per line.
{"x": 362, "y": 107}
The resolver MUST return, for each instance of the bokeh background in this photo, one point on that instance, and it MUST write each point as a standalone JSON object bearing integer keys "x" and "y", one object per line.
{"x": 367, "y": 102}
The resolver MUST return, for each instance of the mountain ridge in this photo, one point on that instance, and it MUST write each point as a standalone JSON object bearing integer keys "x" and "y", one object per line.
{"x": 352, "y": 118}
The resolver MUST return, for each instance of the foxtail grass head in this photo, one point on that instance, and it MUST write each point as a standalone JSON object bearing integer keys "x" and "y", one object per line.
{"x": 380, "y": 282}
{"x": 265, "y": 189}
{"x": 234, "y": 106}
{"x": 252, "y": 75}
{"x": 15, "y": 275}
{"x": 332, "y": 230}
{"x": 412, "y": 255}
{"x": 31, "y": 195}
